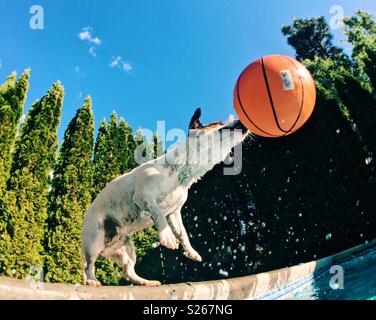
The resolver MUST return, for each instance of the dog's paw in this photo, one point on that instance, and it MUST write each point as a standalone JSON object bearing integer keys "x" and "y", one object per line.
{"x": 93, "y": 283}
{"x": 193, "y": 255}
{"x": 167, "y": 239}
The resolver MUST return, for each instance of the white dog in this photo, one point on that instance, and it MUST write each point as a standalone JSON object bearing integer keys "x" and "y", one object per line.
{"x": 153, "y": 193}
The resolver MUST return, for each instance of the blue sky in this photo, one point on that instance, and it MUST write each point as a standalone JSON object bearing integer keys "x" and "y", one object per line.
{"x": 167, "y": 56}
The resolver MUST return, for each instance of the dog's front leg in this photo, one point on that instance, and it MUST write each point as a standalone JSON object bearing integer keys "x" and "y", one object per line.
{"x": 176, "y": 223}
{"x": 166, "y": 236}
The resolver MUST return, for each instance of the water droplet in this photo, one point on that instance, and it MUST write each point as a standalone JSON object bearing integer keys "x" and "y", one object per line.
{"x": 328, "y": 236}
{"x": 223, "y": 272}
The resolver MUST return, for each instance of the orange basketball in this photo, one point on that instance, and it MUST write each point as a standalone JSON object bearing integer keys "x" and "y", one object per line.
{"x": 274, "y": 96}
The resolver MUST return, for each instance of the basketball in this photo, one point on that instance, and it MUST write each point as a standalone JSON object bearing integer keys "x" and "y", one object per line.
{"x": 274, "y": 96}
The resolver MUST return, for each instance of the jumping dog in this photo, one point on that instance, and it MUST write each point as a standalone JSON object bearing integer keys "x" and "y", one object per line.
{"x": 153, "y": 193}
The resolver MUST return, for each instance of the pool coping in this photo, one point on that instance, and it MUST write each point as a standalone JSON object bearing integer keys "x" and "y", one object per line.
{"x": 267, "y": 285}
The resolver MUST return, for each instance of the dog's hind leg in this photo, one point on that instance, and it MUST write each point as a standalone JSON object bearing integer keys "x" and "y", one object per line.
{"x": 92, "y": 245}
{"x": 127, "y": 256}
{"x": 89, "y": 270}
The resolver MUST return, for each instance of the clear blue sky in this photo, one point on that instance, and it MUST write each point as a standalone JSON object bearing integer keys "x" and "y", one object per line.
{"x": 175, "y": 54}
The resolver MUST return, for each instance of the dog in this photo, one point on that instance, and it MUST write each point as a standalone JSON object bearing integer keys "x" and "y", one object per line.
{"x": 153, "y": 194}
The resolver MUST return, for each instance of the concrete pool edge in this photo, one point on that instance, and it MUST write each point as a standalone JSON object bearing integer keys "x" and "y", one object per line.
{"x": 248, "y": 287}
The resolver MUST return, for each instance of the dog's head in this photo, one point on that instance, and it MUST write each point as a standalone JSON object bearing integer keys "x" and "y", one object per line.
{"x": 217, "y": 138}
{"x": 196, "y": 128}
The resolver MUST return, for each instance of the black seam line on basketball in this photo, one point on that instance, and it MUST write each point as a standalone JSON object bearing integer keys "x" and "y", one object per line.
{"x": 245, "y": 113}
{"x": 303, "y": 96}
{"x": 270, "y": 97}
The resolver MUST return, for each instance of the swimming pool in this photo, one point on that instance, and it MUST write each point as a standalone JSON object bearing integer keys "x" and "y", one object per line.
{"x": 353, "y": 278}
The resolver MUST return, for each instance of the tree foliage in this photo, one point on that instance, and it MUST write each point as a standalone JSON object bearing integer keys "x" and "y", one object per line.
{"x": 69, "y": 198}
{"x": 360, "y": 30}
{"x": 26, "y": 207}
{"x": 312, "y": 39}
{"x": 12, "y": 99}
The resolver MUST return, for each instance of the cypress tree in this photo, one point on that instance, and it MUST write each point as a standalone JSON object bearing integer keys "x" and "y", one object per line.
{"x": 26, "y": 210}
{"x": 100, "y": 163}
{"x": 69, "y": 198}
{"x": 127, "y": 146}
{"x": 107, "y": 161}
{"x": 114, "y": 145}
{"x": 12, "y": 99}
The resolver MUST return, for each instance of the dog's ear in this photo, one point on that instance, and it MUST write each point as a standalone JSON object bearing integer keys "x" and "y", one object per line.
{"x": 195, "y": 121}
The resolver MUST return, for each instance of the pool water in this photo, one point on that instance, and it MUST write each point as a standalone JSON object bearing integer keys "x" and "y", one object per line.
{"x": 358, "y": 281}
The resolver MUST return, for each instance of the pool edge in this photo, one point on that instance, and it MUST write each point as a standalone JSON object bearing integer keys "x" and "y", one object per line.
{"x": 259, "y": 286}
